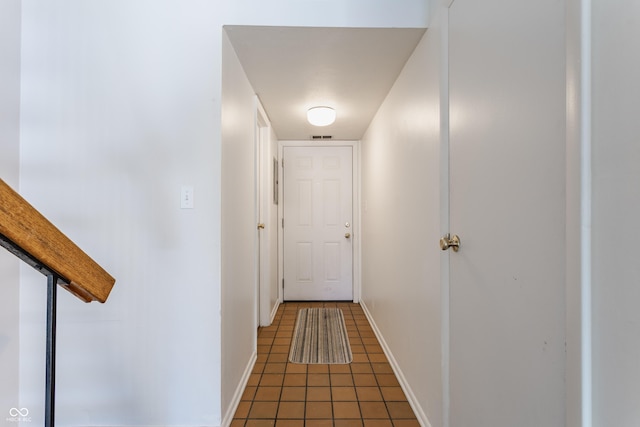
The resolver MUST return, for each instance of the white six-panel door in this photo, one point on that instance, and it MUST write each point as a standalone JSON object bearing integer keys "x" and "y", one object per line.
{"x": 318, "y": 223}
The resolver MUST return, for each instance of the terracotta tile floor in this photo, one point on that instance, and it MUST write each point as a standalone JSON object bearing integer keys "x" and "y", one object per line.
{"x": 364, "y": 393}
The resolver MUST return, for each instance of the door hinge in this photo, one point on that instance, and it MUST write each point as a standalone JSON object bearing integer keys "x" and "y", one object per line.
{"x": 283, "y": 162}
{"x": 282, "y": 222}
{"x": 282, "y": 283}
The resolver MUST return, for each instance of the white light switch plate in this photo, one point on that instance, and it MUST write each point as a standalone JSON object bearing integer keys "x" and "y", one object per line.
{"x": 186, "y": 197}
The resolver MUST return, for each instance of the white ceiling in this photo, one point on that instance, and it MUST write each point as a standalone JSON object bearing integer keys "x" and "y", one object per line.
{"x": 350, "y": 69}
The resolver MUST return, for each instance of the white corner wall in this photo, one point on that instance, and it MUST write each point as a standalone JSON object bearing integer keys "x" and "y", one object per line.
{"x": 616, "y": 209}
{"x": 239, "y": 263}
{"x": 9, "y": 165}
{"x": 400, "y": 226}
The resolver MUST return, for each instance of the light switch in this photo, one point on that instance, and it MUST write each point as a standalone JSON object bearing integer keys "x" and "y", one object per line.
{"x": 186, "y": 197}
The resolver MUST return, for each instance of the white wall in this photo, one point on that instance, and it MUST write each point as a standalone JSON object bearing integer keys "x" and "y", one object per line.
{"x": 616, "y": 209}
{"x": 9, "y": 148}
{"x": 121, "y": 106}
{"x": 327, "y": 13}
{"x": 239, "y": 322}
{"x": 274, "y": 294}
{"x": 400, "y": 225}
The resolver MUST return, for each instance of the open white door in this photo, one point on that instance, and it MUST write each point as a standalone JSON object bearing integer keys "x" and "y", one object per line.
{"x": 318, "y": 223}
{"x": 507, "y": 103}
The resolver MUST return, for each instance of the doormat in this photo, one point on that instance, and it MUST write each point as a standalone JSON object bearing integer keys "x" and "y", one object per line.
{"x": 320, "y": 337}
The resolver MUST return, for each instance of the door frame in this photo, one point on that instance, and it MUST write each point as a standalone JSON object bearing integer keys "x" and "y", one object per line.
{"x": 262, "y": 143}
{"x": 355, "y": 146}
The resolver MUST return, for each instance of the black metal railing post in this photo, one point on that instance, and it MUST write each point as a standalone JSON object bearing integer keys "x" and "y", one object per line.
{"x": 50, "y": 381}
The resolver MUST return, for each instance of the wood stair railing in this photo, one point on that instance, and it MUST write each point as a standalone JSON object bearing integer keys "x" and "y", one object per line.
{"x": 31, "y": 237}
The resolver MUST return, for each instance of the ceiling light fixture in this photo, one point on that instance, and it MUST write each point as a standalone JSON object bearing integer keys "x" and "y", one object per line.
{"x": 321, "y": 116}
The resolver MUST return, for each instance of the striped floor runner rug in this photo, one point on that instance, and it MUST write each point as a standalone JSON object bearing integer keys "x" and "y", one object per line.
{"x": 320, "y": 336}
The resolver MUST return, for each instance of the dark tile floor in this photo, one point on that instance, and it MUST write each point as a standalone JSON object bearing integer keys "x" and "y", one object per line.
{"x": 364, "y": 393}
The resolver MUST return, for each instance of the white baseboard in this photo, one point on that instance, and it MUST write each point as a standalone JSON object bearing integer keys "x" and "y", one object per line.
{"x": 274, "y": 311}
{"x": 417, "y": 409}
{"x": 237, "y": 395}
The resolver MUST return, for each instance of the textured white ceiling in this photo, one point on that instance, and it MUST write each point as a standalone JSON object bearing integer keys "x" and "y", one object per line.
{"x": 295, "y": 68}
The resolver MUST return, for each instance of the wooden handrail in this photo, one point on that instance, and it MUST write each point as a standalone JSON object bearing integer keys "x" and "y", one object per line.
{"x": 29, "y": 235}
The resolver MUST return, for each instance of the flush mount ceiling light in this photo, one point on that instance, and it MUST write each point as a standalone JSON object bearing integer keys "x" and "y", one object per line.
{"x": 321, "y": 116}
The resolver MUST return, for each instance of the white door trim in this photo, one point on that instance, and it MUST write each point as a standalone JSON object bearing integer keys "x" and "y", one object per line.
{"x": 355, "y": 145}
{"x": 445, "y": 212}
{"x": 262, "y": 214}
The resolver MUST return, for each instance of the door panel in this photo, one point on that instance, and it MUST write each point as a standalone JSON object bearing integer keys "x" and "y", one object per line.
{"x": 317, "y": 208}
{"x": 507, "y": 205}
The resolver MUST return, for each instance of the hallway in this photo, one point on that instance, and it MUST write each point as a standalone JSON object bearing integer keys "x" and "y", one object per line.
{"x": 364, "y": 393}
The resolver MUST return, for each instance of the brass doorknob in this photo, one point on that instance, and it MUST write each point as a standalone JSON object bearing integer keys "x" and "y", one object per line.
{"x": 450, "y": 242}
{"x": 347, "y": 235}
{"x": 261, "y": 226}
